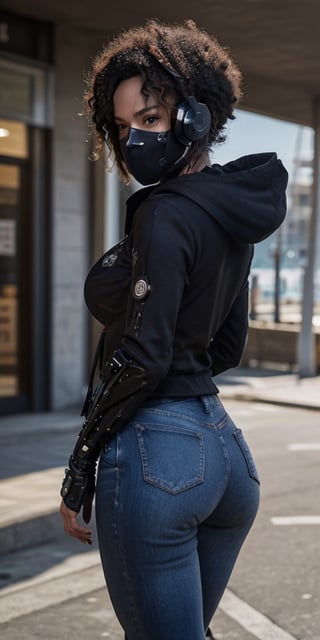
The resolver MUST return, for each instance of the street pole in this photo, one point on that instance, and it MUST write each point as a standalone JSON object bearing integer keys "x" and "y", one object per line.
{"x": 277, "y": 283}
{"x": 111, "y": 209}
{"x": 306, "y": 341}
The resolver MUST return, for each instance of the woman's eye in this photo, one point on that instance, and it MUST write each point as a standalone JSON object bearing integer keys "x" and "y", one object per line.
{"x": 151, "y": 119}
{"x": 122, "y": 128}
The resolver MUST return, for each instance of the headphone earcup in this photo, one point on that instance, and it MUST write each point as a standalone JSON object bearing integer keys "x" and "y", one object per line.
{"x": 192, "y": 122}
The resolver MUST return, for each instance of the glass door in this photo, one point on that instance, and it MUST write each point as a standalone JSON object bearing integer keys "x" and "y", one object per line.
{"x": 26, "y": 121}
{"x": 14, "y": 269}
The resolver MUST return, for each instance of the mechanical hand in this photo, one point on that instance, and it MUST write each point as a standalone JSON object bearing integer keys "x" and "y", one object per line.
{"x": 78, "y": 486}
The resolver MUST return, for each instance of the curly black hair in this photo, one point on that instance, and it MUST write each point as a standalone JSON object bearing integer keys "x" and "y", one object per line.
{"x": 170, "y": 58}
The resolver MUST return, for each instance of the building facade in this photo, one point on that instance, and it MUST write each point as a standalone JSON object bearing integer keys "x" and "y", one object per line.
{"x": 53, "y": 225}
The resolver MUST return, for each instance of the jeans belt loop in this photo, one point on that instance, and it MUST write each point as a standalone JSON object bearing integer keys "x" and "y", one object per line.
{"x": 205, "y": 403}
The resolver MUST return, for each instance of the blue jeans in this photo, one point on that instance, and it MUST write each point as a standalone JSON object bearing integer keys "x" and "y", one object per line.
{"x": 177, "y": 492}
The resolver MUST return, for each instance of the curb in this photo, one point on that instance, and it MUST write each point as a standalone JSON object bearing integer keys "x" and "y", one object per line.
{"x": 30, "y": 533}
{"x": 253, "y": 397}
{"x": 26, "y": 424}
{"x": 39, "y": 530}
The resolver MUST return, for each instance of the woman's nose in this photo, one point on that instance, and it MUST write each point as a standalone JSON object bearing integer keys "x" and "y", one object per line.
{"x": 134, "y": 138}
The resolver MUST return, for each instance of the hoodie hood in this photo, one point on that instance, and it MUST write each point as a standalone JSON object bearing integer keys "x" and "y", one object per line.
{"x": 247, "y": 197}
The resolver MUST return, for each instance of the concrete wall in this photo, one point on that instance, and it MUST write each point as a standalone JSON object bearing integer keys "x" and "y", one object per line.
{"x": 71, "y": 213}
{"x": 276, "y": 343}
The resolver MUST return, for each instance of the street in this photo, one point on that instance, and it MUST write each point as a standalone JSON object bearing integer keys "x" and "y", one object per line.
{"x": 56, "y": 591}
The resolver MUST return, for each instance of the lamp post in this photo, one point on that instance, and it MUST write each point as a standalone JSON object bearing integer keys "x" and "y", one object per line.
{"x": 276, "y": 254}
{"x": 306, "y": 342}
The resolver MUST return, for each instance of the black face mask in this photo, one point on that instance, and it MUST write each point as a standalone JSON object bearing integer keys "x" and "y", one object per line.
{"x": 149, "y": 155}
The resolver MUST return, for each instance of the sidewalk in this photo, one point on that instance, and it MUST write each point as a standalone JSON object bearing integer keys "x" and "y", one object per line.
{"x": 272, "y": 387}
{"x": 35, "y": 449}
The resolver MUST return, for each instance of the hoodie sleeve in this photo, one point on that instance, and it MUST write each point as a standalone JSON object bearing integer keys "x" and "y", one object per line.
{"x": 162, "y": 249}
{"x": 227, "y": 345}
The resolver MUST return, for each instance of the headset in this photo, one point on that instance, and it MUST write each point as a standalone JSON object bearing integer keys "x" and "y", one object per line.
{"x": 193, "y": 119}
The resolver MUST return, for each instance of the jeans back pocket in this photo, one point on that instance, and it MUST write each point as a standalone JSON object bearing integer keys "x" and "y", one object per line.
{"x": 172, "y": 458}
{"x": 239, "y": 437}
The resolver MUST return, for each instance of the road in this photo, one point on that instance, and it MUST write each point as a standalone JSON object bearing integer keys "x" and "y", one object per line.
{"x": 56, "y": 591}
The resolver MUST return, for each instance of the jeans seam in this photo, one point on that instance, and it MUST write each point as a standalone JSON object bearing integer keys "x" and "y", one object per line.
{"x": 213, "y": 426}
{"x": 227, "y": 459}
{"x": 177, "y": 414}
{"x": 218, "y": 428}
{"x": 131, "y": 599}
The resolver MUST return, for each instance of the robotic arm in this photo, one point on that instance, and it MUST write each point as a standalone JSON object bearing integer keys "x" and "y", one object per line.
{"x": 117, "y": 395}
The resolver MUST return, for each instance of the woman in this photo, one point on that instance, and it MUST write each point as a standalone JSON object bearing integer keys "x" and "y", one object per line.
{"x": 177, "y": 488}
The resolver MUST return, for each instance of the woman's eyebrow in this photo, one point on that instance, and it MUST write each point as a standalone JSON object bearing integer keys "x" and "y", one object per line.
{"x": 140, "y": 112}
{"x": 145, "y": 109}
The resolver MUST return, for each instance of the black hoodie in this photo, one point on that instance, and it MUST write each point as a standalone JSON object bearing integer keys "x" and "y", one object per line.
{"x": 174, "y": 294}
